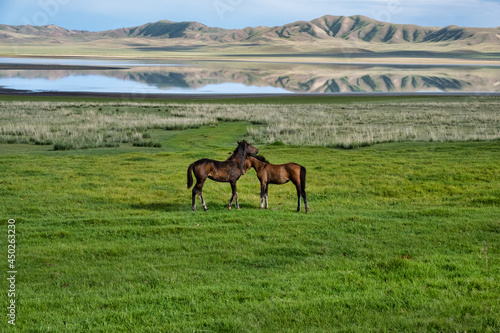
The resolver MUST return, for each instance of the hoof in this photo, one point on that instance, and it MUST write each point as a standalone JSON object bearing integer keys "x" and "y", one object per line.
{"x": 228, "y": 207}
{"x": 205, "y": 209}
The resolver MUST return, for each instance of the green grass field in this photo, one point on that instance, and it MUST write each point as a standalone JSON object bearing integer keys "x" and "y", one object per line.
{"x": 401, "y": 236}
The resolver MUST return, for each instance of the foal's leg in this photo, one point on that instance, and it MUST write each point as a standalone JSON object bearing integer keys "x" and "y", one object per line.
{"x": 197, "y": 190}
{"x": 266, "y": 195}
{"x": 194, "y": 193}
{"x": 302, "y": 193}
{"x": 233, "y": 197}
{"x": 305, "y": 200}
{"x": 203, "y": 202}
{"x": 298, "y": 199}
{"x": 262, "y": 195}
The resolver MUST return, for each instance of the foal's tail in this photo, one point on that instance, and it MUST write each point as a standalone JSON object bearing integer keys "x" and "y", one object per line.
{"x": 190, "y": 176}
{"x": 303, "y": 177}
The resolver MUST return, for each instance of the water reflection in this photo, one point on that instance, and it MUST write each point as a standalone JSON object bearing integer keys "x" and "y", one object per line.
{"x": 250, "y": 77}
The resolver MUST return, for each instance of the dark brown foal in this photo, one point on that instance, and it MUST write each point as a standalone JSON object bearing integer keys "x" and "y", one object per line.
{"x": 228, "y": 171}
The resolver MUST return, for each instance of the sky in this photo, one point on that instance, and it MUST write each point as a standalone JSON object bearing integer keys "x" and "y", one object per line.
{"x": 99, "y": 15}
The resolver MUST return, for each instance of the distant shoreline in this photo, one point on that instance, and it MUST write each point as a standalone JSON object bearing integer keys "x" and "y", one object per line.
{"x": 54, "y": 67}
{"x": 194, "y": 96}
{"x": 270, "y": 59}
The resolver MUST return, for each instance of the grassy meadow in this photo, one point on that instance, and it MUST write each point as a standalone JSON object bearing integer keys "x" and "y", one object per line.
{"x": 402, "y": 234}
{"x": 320, "y": 51}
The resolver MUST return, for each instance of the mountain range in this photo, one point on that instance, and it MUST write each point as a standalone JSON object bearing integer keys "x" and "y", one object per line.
{"x": 352, "y": 28}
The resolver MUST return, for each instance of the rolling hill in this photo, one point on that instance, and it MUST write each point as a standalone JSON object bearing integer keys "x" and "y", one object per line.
{"x": 327, "y": 35}
{"x": 326, "y": 27}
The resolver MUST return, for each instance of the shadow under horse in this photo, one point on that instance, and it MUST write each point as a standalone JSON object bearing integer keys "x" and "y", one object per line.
{"x": 228, "y": 171}
{"x": 278, "y": 174}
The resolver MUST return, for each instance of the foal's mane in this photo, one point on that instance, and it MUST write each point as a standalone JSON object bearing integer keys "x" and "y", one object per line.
{"x": 260, "y": 158}
{"x": 239, "y": 152}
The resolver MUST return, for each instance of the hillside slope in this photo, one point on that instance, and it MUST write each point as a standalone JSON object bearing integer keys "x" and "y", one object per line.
{"x": 359, "y": 28}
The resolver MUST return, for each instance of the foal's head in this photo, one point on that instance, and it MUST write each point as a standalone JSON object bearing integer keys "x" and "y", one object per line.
{"x": 243, "y": 149}
{"x": 241, "y": 152}
{"x": 247, "y": 148}
{"x": 255, "y": 161}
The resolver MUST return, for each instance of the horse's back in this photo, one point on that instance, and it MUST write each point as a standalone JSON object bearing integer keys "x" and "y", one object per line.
{"x": 282, "y": 173}
{"x": 293, "y": 169}
{"x": 202, "y": 167}
{"x": 222, "y": 171}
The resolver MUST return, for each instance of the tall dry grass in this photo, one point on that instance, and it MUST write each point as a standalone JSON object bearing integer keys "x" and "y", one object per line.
{"x": 84, "y": 125}
{"x": 354, "y": 125}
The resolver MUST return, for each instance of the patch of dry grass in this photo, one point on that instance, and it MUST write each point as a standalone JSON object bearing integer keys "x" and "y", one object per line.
{"x": 84, "y": 125}
{"x": 360, "y": 124}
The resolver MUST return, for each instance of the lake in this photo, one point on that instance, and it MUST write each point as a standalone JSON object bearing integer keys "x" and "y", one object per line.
{"x": 216, "y": 77}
